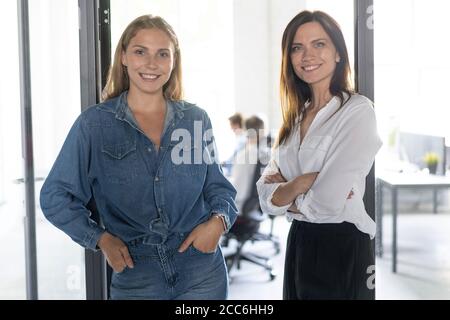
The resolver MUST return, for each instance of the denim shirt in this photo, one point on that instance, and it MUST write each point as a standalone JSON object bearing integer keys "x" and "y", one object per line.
{"x": 139, "y": 191}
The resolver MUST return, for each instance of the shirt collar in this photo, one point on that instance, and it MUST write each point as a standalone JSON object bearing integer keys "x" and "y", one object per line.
{"x": 122, "y": 110}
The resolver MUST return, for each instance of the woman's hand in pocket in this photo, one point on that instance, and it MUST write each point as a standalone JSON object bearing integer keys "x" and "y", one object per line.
{"x": 115, "y": 251}
{"x": 204, "y": 237}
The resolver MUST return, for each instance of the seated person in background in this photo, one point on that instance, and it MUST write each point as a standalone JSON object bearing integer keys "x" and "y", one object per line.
{"x": 236, "y": 124}
{"x": 246, "y": 160}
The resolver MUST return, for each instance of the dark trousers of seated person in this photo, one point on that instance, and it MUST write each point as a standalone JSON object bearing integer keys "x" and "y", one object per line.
{"x": 328, "y": 261}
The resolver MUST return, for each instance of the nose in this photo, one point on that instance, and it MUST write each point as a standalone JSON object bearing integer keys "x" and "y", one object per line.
{"x": 151, "y": 62}
{"x": 308, "y": 54}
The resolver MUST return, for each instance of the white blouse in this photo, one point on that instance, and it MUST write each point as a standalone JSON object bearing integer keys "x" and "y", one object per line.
{"x": 342, "y": 149}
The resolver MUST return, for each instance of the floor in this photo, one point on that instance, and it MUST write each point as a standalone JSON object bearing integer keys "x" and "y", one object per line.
{"x": 253, "y": 282}
{"x": 423, "y": 261}
{"x": 423, "y": 269}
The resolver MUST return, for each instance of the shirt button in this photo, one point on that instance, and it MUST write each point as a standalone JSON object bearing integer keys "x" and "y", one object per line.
{"x": 157, "y": 179}
{"x": 149, "y": 149}
{"x": 159, "y": 210}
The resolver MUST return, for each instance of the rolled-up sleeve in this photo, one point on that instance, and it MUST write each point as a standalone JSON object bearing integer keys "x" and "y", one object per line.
{"x": 349, "y": 159}
{"x": 266, "y": 191}
{"x": 219, "y": 193}
{"x": 66, "y": 190}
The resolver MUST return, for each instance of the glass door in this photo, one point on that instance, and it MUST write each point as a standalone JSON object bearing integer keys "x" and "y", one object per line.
{"x": 411, "y": 81}
{"x": 12, "y": 210}
{"x": 55, "y": 103}
{"x": 55, "y": 83}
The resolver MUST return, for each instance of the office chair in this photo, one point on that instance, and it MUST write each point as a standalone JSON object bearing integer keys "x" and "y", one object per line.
{"x": 259, "y": 236}
{"x": 269, "y": 237}
{"x": 246, "y": 228}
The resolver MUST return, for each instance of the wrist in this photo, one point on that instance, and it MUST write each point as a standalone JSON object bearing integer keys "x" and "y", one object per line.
{"x": 219, "y": 221}
{"x": 102, "y": 240}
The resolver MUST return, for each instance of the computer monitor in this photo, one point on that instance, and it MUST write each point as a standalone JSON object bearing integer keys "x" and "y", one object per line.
{"x": 412, "y": 147}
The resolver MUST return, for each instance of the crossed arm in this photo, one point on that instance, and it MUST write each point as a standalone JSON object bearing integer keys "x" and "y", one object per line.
{"x": 288, "y": 191}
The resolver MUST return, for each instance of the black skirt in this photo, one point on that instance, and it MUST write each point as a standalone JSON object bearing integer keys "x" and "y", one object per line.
{"x": 328, "y": 261}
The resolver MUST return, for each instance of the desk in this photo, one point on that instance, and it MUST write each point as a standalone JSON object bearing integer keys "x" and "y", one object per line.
{"x": 395, "y": 181}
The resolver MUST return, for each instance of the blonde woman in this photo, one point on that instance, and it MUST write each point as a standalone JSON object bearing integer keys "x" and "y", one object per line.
{"x": 148, "y": 159}
{"x": 325, "y": 149}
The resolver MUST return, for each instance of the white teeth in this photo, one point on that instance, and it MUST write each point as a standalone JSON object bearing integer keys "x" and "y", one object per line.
{"x": 149, "y": 76}
{"x": 311, "y": 68}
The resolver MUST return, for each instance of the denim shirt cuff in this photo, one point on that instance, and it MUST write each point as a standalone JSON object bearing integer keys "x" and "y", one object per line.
{"x": 225, "y": 217}
{"x": 93, "y": 237}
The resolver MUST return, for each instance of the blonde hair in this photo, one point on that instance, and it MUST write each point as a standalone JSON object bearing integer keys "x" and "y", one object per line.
{"x": 118, "y": 81}
{"x": 294, "y": 92}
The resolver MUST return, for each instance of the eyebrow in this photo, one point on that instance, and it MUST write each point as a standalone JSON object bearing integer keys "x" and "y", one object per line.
{"x": 314, "y": 41}
{"x": 139, "y": 46}
{"x": 145, "y": 48}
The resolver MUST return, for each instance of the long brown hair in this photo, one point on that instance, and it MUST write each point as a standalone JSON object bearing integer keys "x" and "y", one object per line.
{"x": 294, "y": 92}
{"x": 118, "y": 80}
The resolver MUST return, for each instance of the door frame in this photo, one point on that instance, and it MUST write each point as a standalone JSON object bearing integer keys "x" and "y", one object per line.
{"x": 364, "y": 77}
{"x": 27, "y": 150}
{"x": 95, "y": 58}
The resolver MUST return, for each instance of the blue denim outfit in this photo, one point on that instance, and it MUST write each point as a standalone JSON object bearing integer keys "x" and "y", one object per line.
{"x": 143, "y": 196}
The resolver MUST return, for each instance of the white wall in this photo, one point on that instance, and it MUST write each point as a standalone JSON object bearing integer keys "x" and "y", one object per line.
{"x": 251, "y": 56}
{"x": 258, "y": 29}
{"x": 412, "y": 66}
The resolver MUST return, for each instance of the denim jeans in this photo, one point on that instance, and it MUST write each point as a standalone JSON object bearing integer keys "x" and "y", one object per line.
{"x": 161, "y": 272}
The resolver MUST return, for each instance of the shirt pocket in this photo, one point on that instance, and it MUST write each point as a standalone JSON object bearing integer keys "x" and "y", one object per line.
{"x": 187, "y": 160}
{"x": 312, "y": 153}
{"x": 120, "y": 161}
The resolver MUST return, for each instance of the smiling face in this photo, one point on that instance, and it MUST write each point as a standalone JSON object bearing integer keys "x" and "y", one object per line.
{"x": 313, "y": 55}
{"x": 149, "y": 59}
